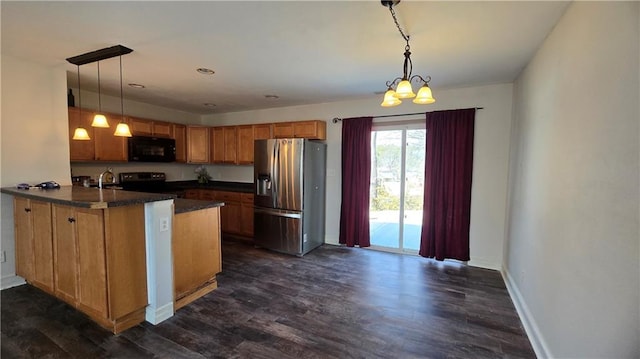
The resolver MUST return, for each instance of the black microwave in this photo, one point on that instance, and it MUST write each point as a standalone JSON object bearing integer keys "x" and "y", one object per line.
{"x": 151, "y": 149}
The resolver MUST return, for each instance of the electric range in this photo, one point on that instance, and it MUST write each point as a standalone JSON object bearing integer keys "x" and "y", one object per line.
{"x": 153, "y": 182}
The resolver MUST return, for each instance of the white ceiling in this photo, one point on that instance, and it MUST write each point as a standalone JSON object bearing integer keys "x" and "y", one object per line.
{"x": 304, "y": 51}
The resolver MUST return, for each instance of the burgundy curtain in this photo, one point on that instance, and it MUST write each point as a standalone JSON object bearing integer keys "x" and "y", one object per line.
{"x": 447, "y": 187}
{"x": 356, "y": 174}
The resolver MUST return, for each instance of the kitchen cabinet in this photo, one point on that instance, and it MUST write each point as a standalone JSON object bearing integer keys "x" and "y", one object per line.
{"x": 34, "y": 242}
{"x": 144, "y": 127}
{"x": 197, "y": 144}
{"x": 180, "y": 135}
{"x": 81, "y": 150}
{"x": 246, "y": 214}
{"x": 197, "y": 254}
{"x": 99, "y": 263}
{"x": 236, "y": 216}
{"x": 223, "y": 144}
{"x": 247, "y": 134}
{"x": 315, "y": 130}
{"x": 107, "y": 146}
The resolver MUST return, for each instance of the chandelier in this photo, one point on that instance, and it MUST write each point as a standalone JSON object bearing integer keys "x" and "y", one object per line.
{"x": 402, "y": 84}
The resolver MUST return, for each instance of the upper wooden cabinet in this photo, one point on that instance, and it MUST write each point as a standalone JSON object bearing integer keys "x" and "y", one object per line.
{"x": 197, "y": 144}
{"x": 224, "y": 144}
{"x": 315, "y": 130}
{"x": 143, "y": 127}
{"x": 81, "y": 150}
{"x": 180, "y": 135}
{"x": 246, "y": 136}
{"x": 109, "y": 147}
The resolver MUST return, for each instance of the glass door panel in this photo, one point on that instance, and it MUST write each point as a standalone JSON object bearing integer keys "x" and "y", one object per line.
{"x": 396, "y": 187}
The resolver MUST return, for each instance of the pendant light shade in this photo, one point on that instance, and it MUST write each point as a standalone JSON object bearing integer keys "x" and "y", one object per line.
{"x": 81, "y": 134}
{"x": 122, "y": 129}
{"x": 99, "y": 120}
{"x": 424, "y": 96}
{"x": 390, "y": 99}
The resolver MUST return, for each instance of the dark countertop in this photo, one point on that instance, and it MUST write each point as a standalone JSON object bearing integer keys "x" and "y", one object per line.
{"x": 77, "y": 196}
{"x": 190, "y": 205}
{"x": 216, "y": 185}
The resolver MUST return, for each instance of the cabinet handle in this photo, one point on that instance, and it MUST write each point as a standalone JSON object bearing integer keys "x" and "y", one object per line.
{"x": 71, "y": 219}
{"x": 27, "y": 210}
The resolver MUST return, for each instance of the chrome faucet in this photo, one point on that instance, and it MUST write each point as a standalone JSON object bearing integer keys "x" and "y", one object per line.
{"x": 110, "y": 177}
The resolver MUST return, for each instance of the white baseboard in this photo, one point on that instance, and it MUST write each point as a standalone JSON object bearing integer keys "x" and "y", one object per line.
{"x": 158, "y": 315}
{"x": 11, "y": 281}
{"x": 528, "y": 321}
{"x": 484, "y": 264}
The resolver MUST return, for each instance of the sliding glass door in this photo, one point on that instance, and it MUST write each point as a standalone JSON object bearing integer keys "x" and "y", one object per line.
{"x": 397, "y": 187}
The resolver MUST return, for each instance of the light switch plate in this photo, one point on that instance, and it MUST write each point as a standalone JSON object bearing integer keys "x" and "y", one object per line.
{"x": 164, "y": 224}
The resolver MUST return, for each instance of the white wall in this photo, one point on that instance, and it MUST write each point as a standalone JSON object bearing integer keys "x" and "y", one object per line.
{"x": 572, "y": 256}
{"x": 491, "y": 152}
{"x": 34, "y": 145}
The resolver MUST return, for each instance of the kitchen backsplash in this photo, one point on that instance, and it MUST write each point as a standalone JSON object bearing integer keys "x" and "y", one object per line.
{"x": 174, "y": 171}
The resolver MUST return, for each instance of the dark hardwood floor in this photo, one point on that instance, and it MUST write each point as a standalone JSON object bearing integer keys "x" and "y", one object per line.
{"x": 335, "y": 302}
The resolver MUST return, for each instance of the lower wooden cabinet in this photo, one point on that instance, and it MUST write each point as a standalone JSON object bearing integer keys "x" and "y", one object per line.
{"x": 196, "y": 254}
{"x": 236, "y": 216}
{"x": 34, "y": 242}
{"x": 93, "y": 259}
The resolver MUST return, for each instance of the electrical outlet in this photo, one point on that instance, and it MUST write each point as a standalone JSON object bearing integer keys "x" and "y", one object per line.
{"x": 3, "y": 257}
{"x": 164, "y": 224}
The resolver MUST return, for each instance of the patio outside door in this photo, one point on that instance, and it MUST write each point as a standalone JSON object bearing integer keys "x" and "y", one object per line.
{"x": 397, "y": 187}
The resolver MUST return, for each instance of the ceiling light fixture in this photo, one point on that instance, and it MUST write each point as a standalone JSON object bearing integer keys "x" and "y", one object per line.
{"x": 137, "y": 86}
{"x": 208, "y": 104}
{"x": 205, "y": 71}
{"x": 80, "y": 133}
{"x": 122, "y": 129}
{"x": 403, "y": 84}
{"x": 118, "y": 50}
{"x": 99, "y": 120}
{"x": 273, "y": 97}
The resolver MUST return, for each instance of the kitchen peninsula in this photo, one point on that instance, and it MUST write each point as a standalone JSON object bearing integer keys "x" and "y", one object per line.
{"x": 106, "y": 252}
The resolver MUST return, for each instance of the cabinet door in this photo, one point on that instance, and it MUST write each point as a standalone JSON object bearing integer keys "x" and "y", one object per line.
{"x": 140, "y": 127}
{"x": 108, "y": 146}
{"x": 196, "y": 249}
{"x": 230, "y": 217}
{"x": 180, "y": 135}
{"x": 283, "y": 130}
{"x": 42, "y": 245}
{"x": 64, "y": 253}
{"x": 263, "y": 131}
{"x": 197, "y": 144}
{"x": 23, "y": 221}
{"x": 192, "y": 194}
{"x": 245, "y": 144}
{"x": 310, "y": 129}
{"x": 162, "y": 129}
{"x": 92, "y": 275}
{"x": 81, "y": 150}
{"x": 217, "y": 145}
{"x": 229, "y": 144}
{"x": 207, "y": 195}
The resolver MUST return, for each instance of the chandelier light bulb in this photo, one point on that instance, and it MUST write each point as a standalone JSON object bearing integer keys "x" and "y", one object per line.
{"x": 390, "y": 99}
{"x": 122, "y": 130}
{"x": 424, "y": 96}
{"x": 404, "y": 90}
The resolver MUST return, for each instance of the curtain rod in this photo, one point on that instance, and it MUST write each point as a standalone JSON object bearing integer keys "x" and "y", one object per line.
{"x": 337, "y": 119}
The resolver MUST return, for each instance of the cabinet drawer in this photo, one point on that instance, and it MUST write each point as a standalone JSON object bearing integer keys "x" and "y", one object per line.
{"x": 192, "y": 194}
{"x": 226, "y": 196}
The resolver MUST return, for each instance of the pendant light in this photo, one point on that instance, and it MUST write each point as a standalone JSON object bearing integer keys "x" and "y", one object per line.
{"x": 403, "y": 88}
{"x": 80, "y": 133}
{"x": 99, "y": 120}
{"x": 122, "y": 129}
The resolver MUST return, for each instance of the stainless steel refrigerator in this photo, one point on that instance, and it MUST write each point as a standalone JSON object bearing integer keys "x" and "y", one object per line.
{"x": 289, "y": 200}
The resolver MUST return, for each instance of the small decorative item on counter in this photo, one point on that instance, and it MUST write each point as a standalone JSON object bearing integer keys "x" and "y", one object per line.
{"x": 203, "y": 175}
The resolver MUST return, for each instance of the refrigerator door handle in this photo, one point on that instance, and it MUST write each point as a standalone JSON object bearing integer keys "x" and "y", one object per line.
{"x": 278, "y": 213}
{"x": 276, "y": 175}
